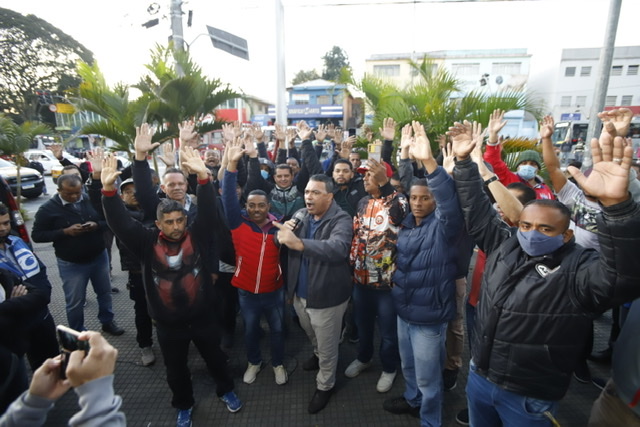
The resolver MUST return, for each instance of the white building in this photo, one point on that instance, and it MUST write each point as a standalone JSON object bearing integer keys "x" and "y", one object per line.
{"x": 577, "y": 77}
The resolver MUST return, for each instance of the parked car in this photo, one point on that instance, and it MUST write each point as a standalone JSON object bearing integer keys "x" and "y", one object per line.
{"x": 56, "y": 170}
{"x": 18, "y": 227}
{"x": 31, "y": 181}
{"x": 45, "y": 157}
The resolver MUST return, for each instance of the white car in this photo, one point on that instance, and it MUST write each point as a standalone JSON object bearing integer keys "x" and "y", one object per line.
{"x": 45, "y": 157}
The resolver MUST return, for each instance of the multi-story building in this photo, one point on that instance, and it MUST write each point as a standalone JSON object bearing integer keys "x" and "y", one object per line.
{"x": 577, "y": 77}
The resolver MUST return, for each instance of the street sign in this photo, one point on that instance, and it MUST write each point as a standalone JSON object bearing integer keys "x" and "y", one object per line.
{"x": 228, "y": 42}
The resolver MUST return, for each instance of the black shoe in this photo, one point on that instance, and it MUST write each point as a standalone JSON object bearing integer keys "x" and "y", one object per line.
{"x": 399, "y": 405}
{"x": 112, "y": 328}
{"x": 581, "y": 372}
{"x": 114, "y": 290}
{"x": 450, "y": 379}
{"x": 603, "y": 356}
{"x": 319, "y": 401}
{"x": 462, "y": 417}
{"x": 598, "y": 382}
{"x": 313, "y": 364}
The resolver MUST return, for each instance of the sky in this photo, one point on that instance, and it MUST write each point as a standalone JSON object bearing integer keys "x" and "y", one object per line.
{"x": 113, "y": 31}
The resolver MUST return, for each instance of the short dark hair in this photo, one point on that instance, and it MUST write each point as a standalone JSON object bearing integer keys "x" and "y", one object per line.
{"x": 328, "y": 182}
{"x": 257, "y": 193}
{"x": 71, "y": 167}
{"x": 527, "y": 193}
{"x": 554, "y": 204}
{"x": 285, "y": 166}
{"x": 4, "y": 210}
{"x": 167, "y": 206}
{"x": 293, "y": 158}
{"x": 173, "y": 170}
{"x": 422, "y": 182}
{"x": 344, "y": 162}
{"x": 70, "y": 180}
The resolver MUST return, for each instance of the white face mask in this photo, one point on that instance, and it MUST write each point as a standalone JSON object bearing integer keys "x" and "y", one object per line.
{"x": 527, "y": 172}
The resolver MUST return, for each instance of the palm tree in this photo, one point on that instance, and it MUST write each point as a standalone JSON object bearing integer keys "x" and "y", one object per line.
{"x": 435, "y": 100}
{"x": 15, "y": 140}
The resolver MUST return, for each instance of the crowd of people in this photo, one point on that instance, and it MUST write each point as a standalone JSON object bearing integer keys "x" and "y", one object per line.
{"x": 342, "y": 246}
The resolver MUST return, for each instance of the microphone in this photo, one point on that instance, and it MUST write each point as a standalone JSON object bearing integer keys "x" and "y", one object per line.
{"x": 297, "y": 219}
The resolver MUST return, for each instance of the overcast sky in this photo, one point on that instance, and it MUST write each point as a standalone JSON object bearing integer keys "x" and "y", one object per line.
{"x": 112, "y": 30}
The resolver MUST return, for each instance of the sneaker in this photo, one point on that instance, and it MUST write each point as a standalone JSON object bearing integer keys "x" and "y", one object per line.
{"x": 385, "y": 382}
{"x": 319, "y": 401}
{"x": 450, "y": 379}
{"x": 112, "y": 328}
{"x": 313, "y": 364}
{"x": 399, "y": 405}
{"x": 582, "y": 373}
{"x": 354, "y": 340}
{"x": 251, "y": 373}
{"x": 231, "y": 400}
{"x": 281, "y": 374}
{"x": 354, "y": 369}
{"x": 147, "y": 357}
{"x": 114, "y": 290}
{"x": 462, "y": 417}
{"x": 184, "y": 418}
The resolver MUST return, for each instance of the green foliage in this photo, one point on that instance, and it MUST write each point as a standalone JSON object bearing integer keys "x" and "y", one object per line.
{"x": 166, "y": 99}
{"x": 15, "y": 140}
{"x": 303, "y": 76}
{"x": 435, "y": 100}
{"x": 35, "y": 55}
{"x": 335, "y": 60}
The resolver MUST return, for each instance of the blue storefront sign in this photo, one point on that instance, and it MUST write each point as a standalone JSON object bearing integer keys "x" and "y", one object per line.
{"x": 570, "y": 116}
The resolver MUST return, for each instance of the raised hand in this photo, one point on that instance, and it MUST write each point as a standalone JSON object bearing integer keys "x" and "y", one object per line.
{"x": 291, "y": 137}
{"x": 304, "y": 131}
{"x": 378, "y": 170}
{"x": 321, "y": 133}
{"x": 448, "y": 159}
{"x": 347, "y": 145}
{"x": 235, "y": 151}
{"x": 546, "y": 127}
{"x": 258, "y": 133}
{"x": 95, "y": 157}
{"x": 190, "y": 157}
{"x": 609, "y": 179}
{"x": 496, "y": 123}
{"x": 109, "y": 172}
{"x": 56, "y": 149}
{"x": 476, "y": 156}
{"x": 249, "y": 146}
{"x": 461, "y": 139}
{"x": 388, "y": 130}
{"x": 227, "y": 133}
{"x": 142, "y": 144}
{"x": 338, "y": 136}
{"x": 616, "y": 122}
{"x": 331, "y": 130}
{"x": 168, "y": 156}
{"x": 406, "y": 137}
{"x": 188, "y": 136}
{"x": 280, "y": 132}
{"x": 421, "y": 147}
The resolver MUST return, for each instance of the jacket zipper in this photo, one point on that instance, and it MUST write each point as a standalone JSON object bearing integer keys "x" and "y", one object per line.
{"x": 264, "y": 243}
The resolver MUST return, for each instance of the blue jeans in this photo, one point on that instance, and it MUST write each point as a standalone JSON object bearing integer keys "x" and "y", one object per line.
{"x": 370, "y": 303}
{"x": 252, "y": 306}
{"x": 75, "y": 278}
{"x": 423, "y": 353}
{"x": 491, "y": 405}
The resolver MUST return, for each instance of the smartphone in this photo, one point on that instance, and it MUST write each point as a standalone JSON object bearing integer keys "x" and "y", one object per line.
{"x": 375, "y": 152}
{"x": 86, "y": 225}
{"x": 69, "y": 342}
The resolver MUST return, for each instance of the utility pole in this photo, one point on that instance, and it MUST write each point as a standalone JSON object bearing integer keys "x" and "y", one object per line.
{"x": 176, "y": 31}
{"x": 600, "y": 93}
{"x": 281, "y": 104}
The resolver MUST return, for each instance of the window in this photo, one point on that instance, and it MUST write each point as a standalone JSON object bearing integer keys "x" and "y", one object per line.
{"x": 323, "y": 99}
{"x": 466, "y": 69}
{"x": 565, "y": 101}
{"x": 611, "y": 101}
{"x": 570, "y": 71}
{"x": 616, "y": 70}
{"x": 228, "y": 104}
{"x": 505, "y": 68}
{"x": 581, "y": 101}
{"x": 386, "y": 70}
{"x": 632, "y": 70}
{"x": 626, "y": 100}
{"x": 585, "y": 71}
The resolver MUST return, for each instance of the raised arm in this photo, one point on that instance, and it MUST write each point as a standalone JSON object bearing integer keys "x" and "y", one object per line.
{"x": 230, "y": 200}
{"x": 141, "y": 172}
{"x": 493, "y": 152}
{"x": 549, "y": 155}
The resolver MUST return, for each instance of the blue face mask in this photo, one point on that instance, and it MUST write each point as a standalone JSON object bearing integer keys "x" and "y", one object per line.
{"x": 527, "y": 172}
{"x": 264, "y": 174}
{"x": 534, "y": 243}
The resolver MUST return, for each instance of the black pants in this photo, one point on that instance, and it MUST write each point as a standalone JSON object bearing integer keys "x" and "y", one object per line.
{"x": 174, "y": 344}
{"x": 228, "y": 306}
{"x": 144, "y": 326}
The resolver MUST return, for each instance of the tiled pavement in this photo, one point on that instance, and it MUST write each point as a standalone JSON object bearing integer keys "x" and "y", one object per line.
{"x": 146, "y": 397}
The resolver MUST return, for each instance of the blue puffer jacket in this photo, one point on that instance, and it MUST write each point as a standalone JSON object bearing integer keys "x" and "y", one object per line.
{"x": 426, "y": 266}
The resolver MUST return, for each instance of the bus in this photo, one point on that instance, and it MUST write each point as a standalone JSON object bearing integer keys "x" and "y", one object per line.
{"x": 572, "y": 131}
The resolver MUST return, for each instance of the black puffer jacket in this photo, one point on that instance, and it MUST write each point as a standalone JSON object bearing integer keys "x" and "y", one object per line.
{"x": 533, "y": 314}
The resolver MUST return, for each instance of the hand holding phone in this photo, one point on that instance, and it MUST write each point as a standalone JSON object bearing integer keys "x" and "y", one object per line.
{"x": 69, "y": 342}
